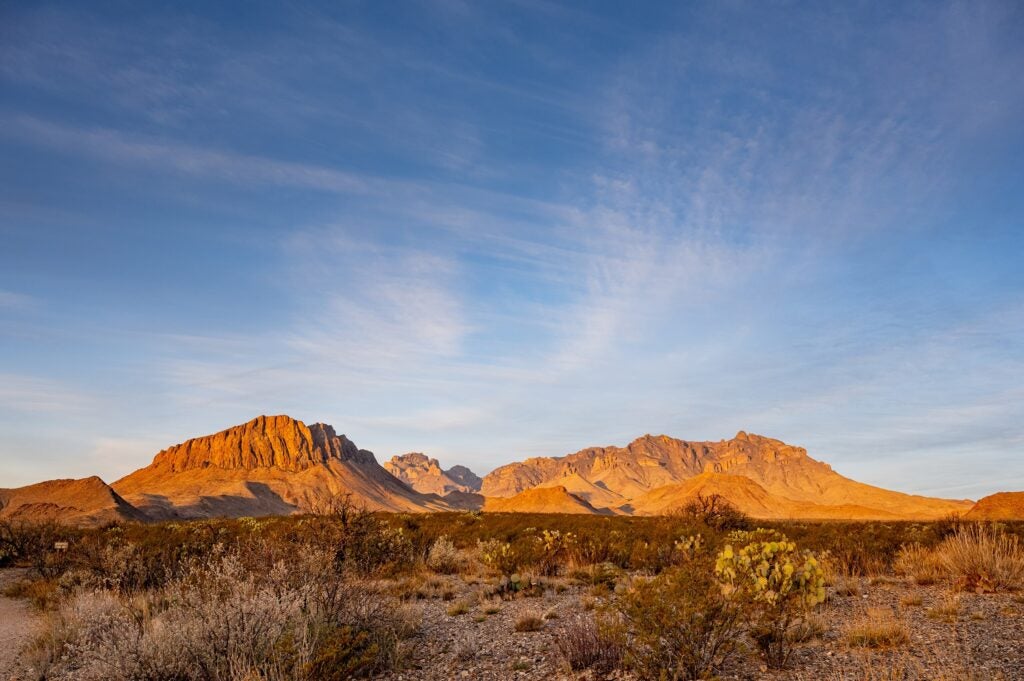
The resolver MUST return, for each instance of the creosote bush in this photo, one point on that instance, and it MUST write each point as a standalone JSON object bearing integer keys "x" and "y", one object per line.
{"x": 715, "y": 511}
{"x": 680, "y": 625}
{"x": 130, "y": 600}
{"x": 443, "y": 557}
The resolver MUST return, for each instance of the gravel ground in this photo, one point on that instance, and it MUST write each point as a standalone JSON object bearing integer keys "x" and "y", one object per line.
{"x": 17, "y": 625}
{"x": 986, "y": 638}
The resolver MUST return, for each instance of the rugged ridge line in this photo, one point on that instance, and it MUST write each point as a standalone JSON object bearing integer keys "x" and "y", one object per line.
{"x": 264, "y": 442}
{"x": 272, "y": 465}
{"x": 611, "y": 477}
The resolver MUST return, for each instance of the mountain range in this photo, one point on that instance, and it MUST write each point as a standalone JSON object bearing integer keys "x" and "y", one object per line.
{"x": 277, "y": 465}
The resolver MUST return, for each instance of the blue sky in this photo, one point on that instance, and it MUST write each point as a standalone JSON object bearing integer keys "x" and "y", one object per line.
{"x": 488, "y": 231}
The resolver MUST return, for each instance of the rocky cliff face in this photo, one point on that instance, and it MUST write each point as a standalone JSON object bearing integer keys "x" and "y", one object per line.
{"x": 425, "y": 475}
{"x": 271, "y": 465}
{"x": 265, "y": 442}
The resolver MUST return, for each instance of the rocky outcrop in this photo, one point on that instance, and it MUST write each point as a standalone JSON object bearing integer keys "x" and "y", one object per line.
{"x": 279, "y": 442}
{"x": 272, "y": 465}
{"x": 1000, "y": 506}
{"x": 426, "y": 476}
{"x": 614, "y": 476}
{"x": 87, "y": 501}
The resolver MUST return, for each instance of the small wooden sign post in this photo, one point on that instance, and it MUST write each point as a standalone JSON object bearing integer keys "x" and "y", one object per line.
{"x": 60, "y": 546}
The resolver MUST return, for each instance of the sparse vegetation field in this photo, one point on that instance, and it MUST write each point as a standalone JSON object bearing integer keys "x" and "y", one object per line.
{"x": 699, "y": 593}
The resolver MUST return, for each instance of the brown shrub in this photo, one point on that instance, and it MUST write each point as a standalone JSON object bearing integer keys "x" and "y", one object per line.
{"x": 589, "y": 643}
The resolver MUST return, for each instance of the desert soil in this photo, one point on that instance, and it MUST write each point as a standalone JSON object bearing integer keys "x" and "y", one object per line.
{"x": 986, "y": 638}
{"x": 17, "y": 625}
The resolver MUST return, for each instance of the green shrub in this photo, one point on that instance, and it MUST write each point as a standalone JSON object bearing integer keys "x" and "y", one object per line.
{"x": 553, "y": 549}
{"x": 776, "y": 585}
{"x": 498, "y": 556}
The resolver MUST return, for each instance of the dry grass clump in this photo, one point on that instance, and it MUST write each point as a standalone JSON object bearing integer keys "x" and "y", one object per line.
{"x": 877, "y": 628}
{"x": 589, "y": 643}
{"x": 922, "y": 565}
{"x": 911, "y": 600}
{"x": 813, "y": 626}
{"x": 529, "y": 622}
{"x": 947, "y": 609}
{"x": 983, "y": 558}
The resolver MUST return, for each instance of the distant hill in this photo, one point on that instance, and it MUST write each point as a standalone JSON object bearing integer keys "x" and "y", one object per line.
{"x": 425, "y": 475}
{"x": 747, "y": 496}
{"x": 272, "y": 465}
{"x": 1000, "y": 506}
{"x": 88, "y": 501}
{"x": 541, "y": 500}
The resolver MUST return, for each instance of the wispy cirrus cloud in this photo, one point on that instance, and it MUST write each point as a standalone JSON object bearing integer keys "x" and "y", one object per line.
{"x": 27, "y": 394}
{"x": 131, "y": 149}
{"x": 13, "y": 300}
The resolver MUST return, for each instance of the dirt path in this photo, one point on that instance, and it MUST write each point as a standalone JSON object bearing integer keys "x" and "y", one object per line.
{"x": 17, "y": 624}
